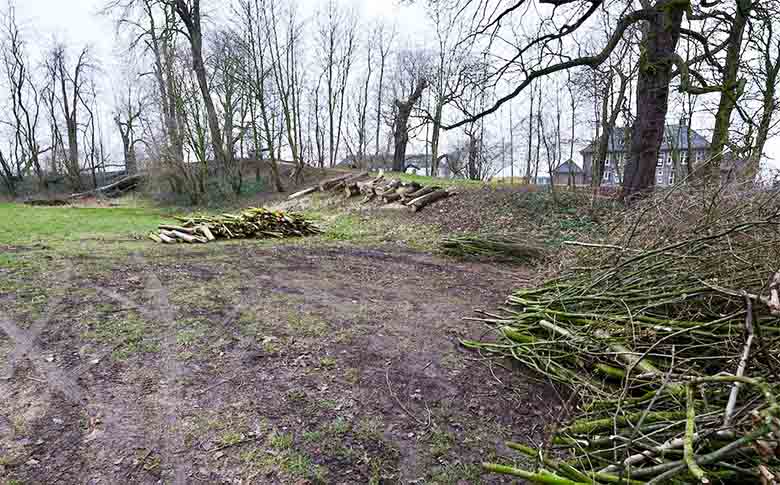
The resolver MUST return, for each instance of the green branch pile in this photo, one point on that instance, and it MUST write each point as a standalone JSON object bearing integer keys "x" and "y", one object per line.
{"x": 250, "y": 223}
{"x": 495, "y": 247}
{"x": 668, "y": 333}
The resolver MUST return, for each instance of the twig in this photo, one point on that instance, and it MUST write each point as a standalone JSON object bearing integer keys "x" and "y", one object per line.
{"x": 214, "y": 386}
{"x": 732, "y": 403}
{"x": 400, "y": 404}
{"x": 690, "y": 431}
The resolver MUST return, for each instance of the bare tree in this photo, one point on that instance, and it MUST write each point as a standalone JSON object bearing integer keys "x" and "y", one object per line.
{"x": 71, "y": 84}
{"x": 337, "y": 39}
{"x": 227, "y": 68}
{"x": 401, "y": 136}
{"x": 452, "y": 67}
{"x": 766, "y": 74}
{"x": 257, "y": 77}
{"x": 285, "y": 69}
{"x": 661, "y": 31}
{"x": 189, "y": 13}
{"x": 384, "y": 39}
{"x": 730, "y": 87}
{"x": 127, "y": 116}
{"x": 25, "y": 98}
{"x": 612, "y": 104}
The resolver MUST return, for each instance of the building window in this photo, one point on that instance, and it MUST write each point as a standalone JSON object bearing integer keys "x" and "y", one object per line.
{"x": 671, "y": 177}
{"x": 669, "y": 159}
{"x": 683, "y": 157}
{"x": 660, "y": 160}
{"x": 659, "y": 180}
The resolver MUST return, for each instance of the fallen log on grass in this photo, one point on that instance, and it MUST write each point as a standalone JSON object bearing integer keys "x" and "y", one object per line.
{"x": 420, "y": 202}
{"x": 348, "y": 181}
{"x": 304, "y": 192}
{"x": 113, "y": 189}
{"x": 420, "y": 192}
{"x": 351, "y": 190}
{"x": 326, "y": 185}
{"x": 391, "y": 197}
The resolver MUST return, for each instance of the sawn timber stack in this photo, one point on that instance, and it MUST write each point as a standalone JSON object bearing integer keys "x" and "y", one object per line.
{"x": 381, "y": 190}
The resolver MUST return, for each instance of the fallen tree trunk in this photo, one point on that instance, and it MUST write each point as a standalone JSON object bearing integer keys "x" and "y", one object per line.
{"x": 407, "y": 189}
{"x": 304, "y": 192}
{"x": 421, "y": 192}
{"x": 349, "y": 181}
{"x": 326, "y": 185}
{"x": 351, "y": 190}
{"x": 117, "y": 188}
{"x": 168, "y": 227}
{"x": 391, "y": 197}
{"x": 204, "y": 229}
{"x": 164, "y": 238}
{"x": 370, "y": 186}
{"x": 420, "y": 202}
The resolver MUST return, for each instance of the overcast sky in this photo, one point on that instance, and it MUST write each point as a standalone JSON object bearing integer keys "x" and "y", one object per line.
{"x": 79, "y": 22}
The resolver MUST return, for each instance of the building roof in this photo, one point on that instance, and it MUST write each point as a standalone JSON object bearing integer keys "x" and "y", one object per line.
{"x": 676, "y": 136}
{"x": 568, "y": 167}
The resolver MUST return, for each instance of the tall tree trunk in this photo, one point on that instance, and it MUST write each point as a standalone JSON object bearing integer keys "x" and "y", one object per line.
{"x": 609, "y": 115}
{"x": 190, "y": 16}
{"x": 530, "y": 137}
{"x": 435, "y": 136}
{"x": 732, "y": 90}
{"x": 766, "y": 121}
{"x": 401, "y": 135}
{"x": 659, "y": 43}
{"x": 382, "y": 61}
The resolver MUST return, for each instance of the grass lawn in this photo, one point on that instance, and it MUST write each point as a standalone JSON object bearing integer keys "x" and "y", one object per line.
{"x": 24, "y": 225}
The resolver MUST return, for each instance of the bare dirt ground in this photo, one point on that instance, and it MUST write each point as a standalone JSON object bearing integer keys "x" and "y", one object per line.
{"x": 258, "y": 364}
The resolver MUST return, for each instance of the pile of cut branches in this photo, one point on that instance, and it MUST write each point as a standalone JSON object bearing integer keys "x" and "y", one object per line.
{"x": 668, "y": 333}
{"x": 496, "y": 247}
{"x": 255, "y": 222}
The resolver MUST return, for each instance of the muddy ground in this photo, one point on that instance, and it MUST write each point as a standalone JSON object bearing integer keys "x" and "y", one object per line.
{"x": 254, "y": 364}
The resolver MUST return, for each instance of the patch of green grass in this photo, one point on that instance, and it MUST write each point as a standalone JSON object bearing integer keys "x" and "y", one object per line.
{"x": 313, "y": 436}
{"x": 195, "y": 331}
{"x": 296, "y": 396}
{"x": 369, "y": 429}
{"x": 372, "y": 230}
{"x": 328, "y": 362}
{"x": 130, "y": 334}
{"x": 440, "y": 443}
{"x": 339, "y": 426}
{"x": 349, "y": 227}
{"x": 23, "y": 225}
{"x": 281, "y": 441}
{"x": 457, "y": 473}
{"x": 299, "y": 465}
{"x": 285, "y": 459}
{"x": 327, "y": 404}
{"x": 306, "y": 325}
{"x": 231, "y": 438}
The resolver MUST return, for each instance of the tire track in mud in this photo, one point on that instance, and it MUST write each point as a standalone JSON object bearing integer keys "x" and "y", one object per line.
{"x": 171, "y": 400}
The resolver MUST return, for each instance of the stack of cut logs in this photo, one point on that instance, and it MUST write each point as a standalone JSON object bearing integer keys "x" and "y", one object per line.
{"x": 386, "y": 191}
